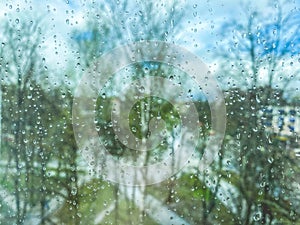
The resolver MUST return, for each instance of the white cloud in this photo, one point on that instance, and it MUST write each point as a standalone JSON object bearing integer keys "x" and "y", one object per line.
{"x": 199, "y": 33}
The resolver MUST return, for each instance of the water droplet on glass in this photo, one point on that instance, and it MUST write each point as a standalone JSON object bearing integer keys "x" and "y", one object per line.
{"x": 142, "y": 89}
{"x": 262, "y": 184}
{"x": 74, "y": 191}
{"x": 146, "y": 69}
{"x": 256, "y": 217}
{"x": 270, "y": 159}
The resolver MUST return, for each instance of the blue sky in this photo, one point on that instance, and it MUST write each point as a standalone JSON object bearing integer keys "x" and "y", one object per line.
{"x": 199, "y": 34}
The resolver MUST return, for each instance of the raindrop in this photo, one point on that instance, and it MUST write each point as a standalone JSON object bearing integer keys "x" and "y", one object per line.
{"x": 270, "y": 140}
{"x": 270, "y": 159}
{"x": 158, "y": 117}
{"x": 74, "y": 191}
{"x": 257, "y": 99}
{"x": 256, "y": 216}
{"x": 142, "y": 89}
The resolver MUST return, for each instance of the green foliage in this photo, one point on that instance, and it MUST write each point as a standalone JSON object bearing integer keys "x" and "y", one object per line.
{"x": 159, "y": 109}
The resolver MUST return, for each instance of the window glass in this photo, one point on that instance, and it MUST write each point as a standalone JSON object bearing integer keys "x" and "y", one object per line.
{"x": 149, "y": 112}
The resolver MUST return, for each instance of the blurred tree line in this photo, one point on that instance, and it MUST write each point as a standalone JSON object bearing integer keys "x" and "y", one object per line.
{"x": 38, "y": 150}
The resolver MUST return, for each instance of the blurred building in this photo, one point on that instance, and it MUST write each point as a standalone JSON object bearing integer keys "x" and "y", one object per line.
{"x": 283, "y": 121}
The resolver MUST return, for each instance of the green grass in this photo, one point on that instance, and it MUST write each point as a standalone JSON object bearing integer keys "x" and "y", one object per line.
{"x": 186, "y": 199}
{"x": 127, "y": 215}
{"x": 97, "y": 196}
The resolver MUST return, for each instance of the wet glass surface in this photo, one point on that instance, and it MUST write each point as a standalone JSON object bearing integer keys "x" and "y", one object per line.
{"x": 149, "y": 112}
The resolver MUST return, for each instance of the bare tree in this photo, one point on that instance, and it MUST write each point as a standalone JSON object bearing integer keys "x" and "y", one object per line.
{"x": 257, "y": 55}
{"x": 149, "y": 20}
{"x": 21, "y": 42}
